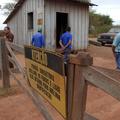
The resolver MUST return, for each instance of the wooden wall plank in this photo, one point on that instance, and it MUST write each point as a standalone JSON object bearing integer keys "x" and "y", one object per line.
{"x": 4, "y": 64}
{"x": 70, "y": 88}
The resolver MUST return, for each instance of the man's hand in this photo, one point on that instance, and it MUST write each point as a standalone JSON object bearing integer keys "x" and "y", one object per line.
{"x": 63, "y": 48}
{"x": 69, "y": 43}
{"x": 60, "y": 50}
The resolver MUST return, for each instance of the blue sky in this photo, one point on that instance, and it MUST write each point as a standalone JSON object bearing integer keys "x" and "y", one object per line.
{"x": 107, "y": 7}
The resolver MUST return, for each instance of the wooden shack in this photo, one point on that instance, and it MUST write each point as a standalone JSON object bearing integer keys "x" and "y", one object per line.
{"x": 53, "y": 16}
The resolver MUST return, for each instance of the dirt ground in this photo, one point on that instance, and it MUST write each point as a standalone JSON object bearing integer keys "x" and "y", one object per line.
{"x": 99, "y": 104}
{"x": 16, "y": 105}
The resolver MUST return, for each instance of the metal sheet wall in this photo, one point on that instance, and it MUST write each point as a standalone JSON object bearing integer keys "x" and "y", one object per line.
{"x": 78, "y": 20}
{"x": 18, "y": 23}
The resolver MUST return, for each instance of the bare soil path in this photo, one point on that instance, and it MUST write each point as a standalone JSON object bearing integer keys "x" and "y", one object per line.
{"x": 18, "y": 106}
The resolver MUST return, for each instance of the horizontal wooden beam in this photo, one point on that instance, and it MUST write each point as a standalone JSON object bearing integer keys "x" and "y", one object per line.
{"x": 19, "y": 66}
{"x": 89, "y": 117}
{"x": 82, "y": 58}
{"x": 16, "y": 47}
{"x": 113, "y": 73}
{"x": 102, "y": 81}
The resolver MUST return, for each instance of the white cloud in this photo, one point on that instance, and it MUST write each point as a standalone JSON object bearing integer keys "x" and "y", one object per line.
{"x": 2, "y": 2}
{"x": 108, "y": 7}
{"x": 2, "y": 17}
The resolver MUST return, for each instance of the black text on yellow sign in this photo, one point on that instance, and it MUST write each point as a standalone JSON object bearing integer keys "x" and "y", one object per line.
{"x": 47, "y": 82}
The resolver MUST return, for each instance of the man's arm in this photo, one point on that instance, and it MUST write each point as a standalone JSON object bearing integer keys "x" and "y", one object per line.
{"x": 69, "y": 43}
{"x": 43, "y": 41}
{"x": 115, "y": 43}
{"x": 32, "y": 42}
{"x": 113, "y": 49}
{"x": 62, "y": 44}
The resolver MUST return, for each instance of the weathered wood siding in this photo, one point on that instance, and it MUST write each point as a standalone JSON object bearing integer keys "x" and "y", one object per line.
{"x": 78, "y": 21}
{"x": 19, "y": 24}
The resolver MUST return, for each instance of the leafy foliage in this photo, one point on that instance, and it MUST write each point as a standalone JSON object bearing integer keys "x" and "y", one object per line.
{"x": 8, "y": 7}
{"x": 99, "y": 23}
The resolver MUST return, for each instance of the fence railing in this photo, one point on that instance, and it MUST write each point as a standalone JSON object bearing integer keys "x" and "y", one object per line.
{"x": 80, "y": 73}
{"x": 6, "y": 71}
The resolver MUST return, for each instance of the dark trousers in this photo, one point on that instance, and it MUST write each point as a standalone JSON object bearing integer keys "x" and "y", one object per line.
{"x": 117, "y": 55}
{"x": 66, "y": 53}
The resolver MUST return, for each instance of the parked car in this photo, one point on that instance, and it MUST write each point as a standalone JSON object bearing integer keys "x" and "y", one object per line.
{"x": 106, "y": 38}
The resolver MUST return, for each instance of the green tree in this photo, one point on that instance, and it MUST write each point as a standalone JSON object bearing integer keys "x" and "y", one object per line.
{"x": 99, "y": 23}
{"x": 8, "y": 7}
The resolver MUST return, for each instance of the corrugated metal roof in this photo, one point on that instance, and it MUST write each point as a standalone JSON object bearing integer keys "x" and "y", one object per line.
{"x": 20, "y": 3}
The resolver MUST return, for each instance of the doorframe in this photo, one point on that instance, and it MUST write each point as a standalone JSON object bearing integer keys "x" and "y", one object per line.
{"x": 56, "y": 23}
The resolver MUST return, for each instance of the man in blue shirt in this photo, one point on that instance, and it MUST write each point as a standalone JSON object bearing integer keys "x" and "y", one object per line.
{"x": 116, "y": 49}
{"x": 38, "y": 39}
{"x": 65, "y": 43}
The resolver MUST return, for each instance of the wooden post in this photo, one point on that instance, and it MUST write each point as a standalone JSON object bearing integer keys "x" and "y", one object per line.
{"x": 4, "y": 63}
{"x": 70, "y": 77}
{"x": 77, "y": 86}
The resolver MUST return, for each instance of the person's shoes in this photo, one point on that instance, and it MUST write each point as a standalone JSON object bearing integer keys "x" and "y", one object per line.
{"x": 118, "y": 69}
{"x": 65, "y": 62}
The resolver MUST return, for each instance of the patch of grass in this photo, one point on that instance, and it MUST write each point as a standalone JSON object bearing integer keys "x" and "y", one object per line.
{"x": 4, "y": 92}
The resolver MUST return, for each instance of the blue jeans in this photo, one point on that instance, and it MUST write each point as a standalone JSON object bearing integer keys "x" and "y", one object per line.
{"x": 117, "y": 55}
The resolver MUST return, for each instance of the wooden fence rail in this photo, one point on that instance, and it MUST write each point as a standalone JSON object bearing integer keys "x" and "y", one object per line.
{"x": 38, "y": 101}
{"x": 4, "y": 64}
{"x": 77, "y": 86}
{"x": 104, "y": 82}
{"x": 80, "y": 73}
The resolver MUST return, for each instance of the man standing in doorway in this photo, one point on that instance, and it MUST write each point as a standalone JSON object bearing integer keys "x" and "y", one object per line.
{"x": 38, "y": 39}
{"x": 65, "y": 43}
{"x": 116, "y": 49}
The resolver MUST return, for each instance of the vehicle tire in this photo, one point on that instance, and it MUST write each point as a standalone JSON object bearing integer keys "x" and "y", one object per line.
{"x": 103, "y": 44}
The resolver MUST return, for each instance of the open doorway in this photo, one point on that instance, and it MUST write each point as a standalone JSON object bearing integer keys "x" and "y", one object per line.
{"x": 61, "y": 24}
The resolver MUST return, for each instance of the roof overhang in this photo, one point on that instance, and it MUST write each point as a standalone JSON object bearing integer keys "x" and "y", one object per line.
{"x": 20, "y": 3}
{"x": 84, "y": 2}
{"x": 15, "y": 10}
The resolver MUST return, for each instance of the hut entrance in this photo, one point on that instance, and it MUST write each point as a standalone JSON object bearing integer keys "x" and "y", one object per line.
{"x": 61, "y": 24}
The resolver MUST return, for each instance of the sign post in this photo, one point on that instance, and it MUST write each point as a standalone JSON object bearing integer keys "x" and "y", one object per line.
{"x": 45, "y": 71}
{"x": 4, "y": 64}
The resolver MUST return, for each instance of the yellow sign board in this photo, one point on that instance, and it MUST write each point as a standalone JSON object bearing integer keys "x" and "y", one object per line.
{"x": 46, "y": 78}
